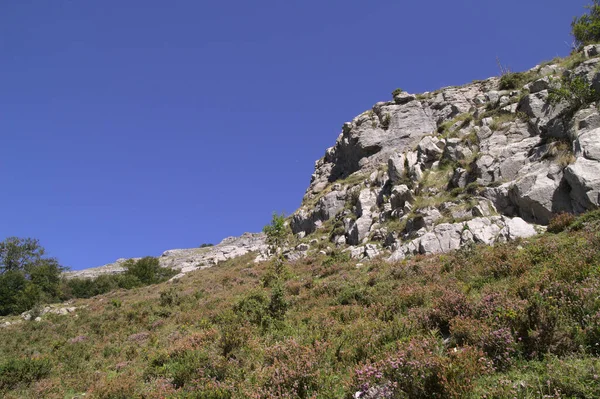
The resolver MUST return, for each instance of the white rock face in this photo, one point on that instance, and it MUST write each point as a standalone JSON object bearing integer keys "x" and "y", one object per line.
{"x": 429, "y": 173}
{"x": 450, "y": 236}
{"x": 187, "y": 260}
{"x": 520, "y": 158}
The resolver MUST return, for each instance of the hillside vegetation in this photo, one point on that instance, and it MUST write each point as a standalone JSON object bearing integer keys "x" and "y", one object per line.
{"x": 517, "y": 320}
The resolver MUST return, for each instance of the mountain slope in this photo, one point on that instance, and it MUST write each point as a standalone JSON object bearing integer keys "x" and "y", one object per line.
{"x": 480, "y": 322}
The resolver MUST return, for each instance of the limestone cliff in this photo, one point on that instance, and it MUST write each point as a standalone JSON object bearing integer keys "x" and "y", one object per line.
{"x": 486, "y": 162}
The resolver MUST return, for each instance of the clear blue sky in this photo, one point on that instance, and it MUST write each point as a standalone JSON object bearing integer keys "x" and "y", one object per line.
{"x": 131, "y": 127}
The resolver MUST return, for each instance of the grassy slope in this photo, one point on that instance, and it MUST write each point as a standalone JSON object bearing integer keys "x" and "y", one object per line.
{"x": 517, "y": 320}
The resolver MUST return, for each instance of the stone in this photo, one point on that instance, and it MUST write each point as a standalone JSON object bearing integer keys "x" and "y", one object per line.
{"x": 356, "y": 252}
{"x": 397, "y": 167}
{"x": 584, "y": 179}
{"x": 538, "y": 85}
{"x": 445, "y": 237}
{"x": 367, "y": 199}
{"x": 302, "y": 247}
{"x": 587, "y": 144}
{"x": 403, "y": 98}
{"x": 591, "y": 50}
{"x": 483, "y": 208}
{"x": 359, "y": 230}
{"x": 429, "y": 150}
{"x": 537, "y": 107}
{"x": 460, "y": 178}
{"x": 518, "y": 228}
{"x": 371, "y": 251}
{"x": 400, "y": 196}
{"x": 416, "y": 173}
{"x": 455, "y": 151}
{"x": 539, "y": 193}
{"x": 484, "y": 230}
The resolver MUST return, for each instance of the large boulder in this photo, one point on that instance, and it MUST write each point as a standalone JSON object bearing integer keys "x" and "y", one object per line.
{"x": 542, "y": 113}
{"x": 540, "y": 192}
{"x": 584, "y": 179}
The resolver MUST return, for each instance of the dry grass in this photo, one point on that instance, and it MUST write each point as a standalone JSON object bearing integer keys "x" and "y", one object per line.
{"x": 516, "y": 307}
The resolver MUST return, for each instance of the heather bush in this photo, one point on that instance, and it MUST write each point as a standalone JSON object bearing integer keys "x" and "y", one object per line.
{"x": 119, "y": 386}
{"x": 560, "y": 222}
{"x": 292, "y": 370}
{"x": 17, "y": 372}
{"x": 499, "y": 346}
{"x": 446, "y": 306}
{"x": 467, "y": 331}
{"x": 424, "y": 369}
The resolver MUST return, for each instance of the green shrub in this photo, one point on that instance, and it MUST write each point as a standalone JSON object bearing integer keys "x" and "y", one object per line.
{"x": 590, "y": 220}
{"x": 254, "y": 307}
{"x": 396, "y": 92}
{"x": 575, "y": 91}
{"x": 15, "y": 372}
{"x": 511, "y": 81}
{"x": 148, "y": 270}
{"x": 385, "y": 121}
{"x": 278, "y": 304}
{"x": 586, "y": 28}
{"x": 336, "y": 257}
{"x": 169, "y": 297}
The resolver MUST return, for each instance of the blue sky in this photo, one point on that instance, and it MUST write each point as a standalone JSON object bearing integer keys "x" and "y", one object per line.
{"x": 131, "y": 127}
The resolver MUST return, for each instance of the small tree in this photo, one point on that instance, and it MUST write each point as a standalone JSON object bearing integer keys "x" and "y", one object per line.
{"x": 586, "y": 28}
{"x": 277, "y": 235}
{"x": 148, "y": 270}
{"x": 27, "y": 277}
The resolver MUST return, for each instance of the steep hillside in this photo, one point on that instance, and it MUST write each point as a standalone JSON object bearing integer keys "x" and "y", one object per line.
{"x": 520, "y": 319}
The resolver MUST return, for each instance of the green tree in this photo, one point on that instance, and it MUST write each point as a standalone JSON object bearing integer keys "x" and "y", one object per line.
{"x": 277, "y": 235}
{"x": 12, "y": 284}
{"x": 19, "y": 254}
{"x": 27, "y": 276}
{"x": 586, "y": 28}
{"x": 148, "y": 270}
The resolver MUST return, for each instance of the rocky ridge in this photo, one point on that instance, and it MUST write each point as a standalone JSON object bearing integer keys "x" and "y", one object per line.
{"x": 486, "y": 162}
{"x": 481, "y": 163}
{"x": 187, "y": 260}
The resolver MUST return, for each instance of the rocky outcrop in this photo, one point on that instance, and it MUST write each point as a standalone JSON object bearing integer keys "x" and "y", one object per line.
{"x": 450, "y": 236}
{"x": 429, "y": 173}
{"x": 187, "y": 260}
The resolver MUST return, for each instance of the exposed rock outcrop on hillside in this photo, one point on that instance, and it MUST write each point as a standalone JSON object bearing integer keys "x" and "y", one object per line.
{"x": 186, "y": 260}
{"x": 432, "y": 172}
